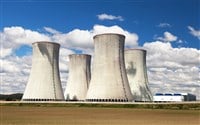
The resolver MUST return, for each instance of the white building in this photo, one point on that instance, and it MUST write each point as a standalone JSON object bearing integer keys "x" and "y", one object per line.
{"x": 79, "y": 77}
{"x": 44, "y": 80}
{"x": 108, "y": 79}
{"x": 135, "y": 61}
{"x": 173, "y": 97}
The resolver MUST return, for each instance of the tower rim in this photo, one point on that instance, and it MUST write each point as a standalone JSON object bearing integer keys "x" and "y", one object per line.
{"x": 109, "y": 34}
{"x": 130, "y": 49}
{"x": 48, "y": 42}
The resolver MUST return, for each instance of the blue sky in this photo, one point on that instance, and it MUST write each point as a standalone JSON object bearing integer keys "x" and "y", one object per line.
{"x": 169, "y": 30}
{"x": 140, "y": 16}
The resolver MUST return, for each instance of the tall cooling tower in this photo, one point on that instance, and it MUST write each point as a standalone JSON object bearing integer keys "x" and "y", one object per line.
{"x": 109, "y": 81}
{"x": 79, "y": 77}
{"x": 135, "y": 61}
{"x": 44, "y": 80}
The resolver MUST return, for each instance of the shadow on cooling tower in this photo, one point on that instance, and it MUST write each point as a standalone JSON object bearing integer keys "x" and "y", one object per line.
{"x": 135, "y": 61}
{"x": 131, "y": 69}
{"x": 44, "y": 51}
{"x": 145, "y": 95}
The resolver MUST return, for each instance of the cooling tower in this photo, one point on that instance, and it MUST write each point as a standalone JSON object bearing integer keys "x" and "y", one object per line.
{"x": 79, "y": 77}
{"x": 108, "y": 80}
{"x": 135, "y": 61}
{"x": 44, "y": 80}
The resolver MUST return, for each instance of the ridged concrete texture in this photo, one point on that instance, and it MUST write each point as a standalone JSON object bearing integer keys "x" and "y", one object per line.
{"x": 108, "y": 79}
{"x": 135, "y": 61}
{"x": 79, "y": 77}
{"x": 44, "y": 80}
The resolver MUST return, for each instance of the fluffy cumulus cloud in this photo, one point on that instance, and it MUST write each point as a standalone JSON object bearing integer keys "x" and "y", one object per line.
{"x": 13, "y": 73}
{"x": 195, "y": 33}
{"x": 83, "y": 39}
{"x": 168, "y": 37}
{"x": 109, "y": 17}
{"x": 15, "y": 69}
{"x": 164, "y": 25}
{"x": 173, "y": 69}
{"x": 14, "y": 37}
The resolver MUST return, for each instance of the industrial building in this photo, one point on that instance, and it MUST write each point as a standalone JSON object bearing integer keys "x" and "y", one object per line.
{"x": 44, "y": 80}
{"x": 108, "y": 79}
{"x": 79, "y": 77}
{"x": 135, "y": 61}
{"x": 173, "y": 97}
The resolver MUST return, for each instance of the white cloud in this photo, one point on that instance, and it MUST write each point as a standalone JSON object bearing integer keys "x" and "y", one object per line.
{"x": 173, "y": 69}
{"x": 5, "y": 52}
{"x": 194, "y": 32}
{"x": 109, "y": 17}
{"x": 83, "y": 39}
{"x": 177, "y": 57}
{"x": 164, "y": 25}
{"x": 168, "y": 37}
{"x": 51, "y": 30}
{"x": 14, "y": 37}
{"x": 19, "y": 35}
{"x": 8, "y": 66}
{"x": 76, "y": 39}
{"x": 14, "y": 73}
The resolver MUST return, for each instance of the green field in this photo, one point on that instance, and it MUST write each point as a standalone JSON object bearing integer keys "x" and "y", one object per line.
{"x": 38, "y": 114}
{"x": 173, "y": 106}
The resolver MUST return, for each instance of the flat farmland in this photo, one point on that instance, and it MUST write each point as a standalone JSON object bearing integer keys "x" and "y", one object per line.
{"x": 26, "y": 115}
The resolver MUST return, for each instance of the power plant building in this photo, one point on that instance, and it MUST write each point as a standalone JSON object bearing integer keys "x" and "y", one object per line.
{"x": 79, "y": 77}
{"x": 44, "y": 81}
{"x": 108, "y": 79}
{"x": 173, "y": 97}
{"x": 135, "y": 61}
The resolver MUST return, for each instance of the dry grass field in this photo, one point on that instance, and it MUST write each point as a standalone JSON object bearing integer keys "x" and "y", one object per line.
{"x": 24, "y": 115}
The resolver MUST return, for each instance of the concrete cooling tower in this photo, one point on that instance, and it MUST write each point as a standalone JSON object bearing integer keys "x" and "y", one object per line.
{"x": 108, "y": 80}
{"x": 44, "y": 80}
{"x": 135, "y": 61}
{"x": 79, "y": 77}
